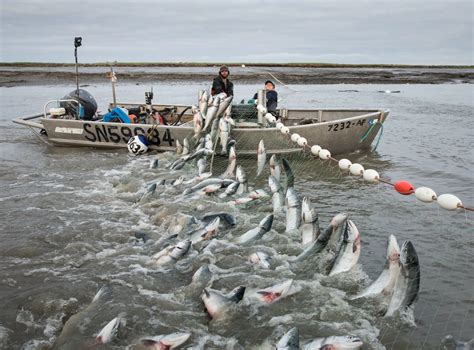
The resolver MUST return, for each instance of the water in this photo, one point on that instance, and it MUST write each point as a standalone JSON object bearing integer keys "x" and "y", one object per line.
{"x": 68, "y": 215}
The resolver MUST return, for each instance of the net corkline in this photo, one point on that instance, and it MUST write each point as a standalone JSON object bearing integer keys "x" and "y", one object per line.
{"x": 424, "y": 194}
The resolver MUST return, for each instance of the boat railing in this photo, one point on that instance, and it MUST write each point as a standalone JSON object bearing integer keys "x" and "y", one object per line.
{"x": 27, "y": 121}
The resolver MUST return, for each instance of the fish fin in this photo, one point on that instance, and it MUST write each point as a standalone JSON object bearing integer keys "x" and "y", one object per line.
{"x": 148, "y": 342}
{"x": 327, "y": 347}
{"x": 237, "y": 294}
{"x": 104, "y": 291}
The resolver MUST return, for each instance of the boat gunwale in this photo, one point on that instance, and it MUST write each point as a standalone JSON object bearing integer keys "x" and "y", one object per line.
{"x": 24, "y": 121}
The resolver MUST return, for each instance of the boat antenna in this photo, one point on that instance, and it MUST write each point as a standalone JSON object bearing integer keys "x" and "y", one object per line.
{"x": 77, "y": 43}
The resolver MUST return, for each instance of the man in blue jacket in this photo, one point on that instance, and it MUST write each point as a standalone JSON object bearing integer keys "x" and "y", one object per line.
{"x": 221, "y": 83}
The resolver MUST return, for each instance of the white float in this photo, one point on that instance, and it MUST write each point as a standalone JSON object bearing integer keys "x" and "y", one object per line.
{"x": 285, "y": 130}
{"x": 425, "y": 194}
{"x": 315, "y": 149}
{"x": 324, "y": 154}
{"x": 295, "y": 137}
{"x": 344, "y": 164}
{"x": 449, "y": 201}
{"x": 302, "y": 142}
{"x": 356, "y": 169}
{"x": 261, "y": 109}
{"x": 279, "y": 125}
{"x": 370, "y": 175}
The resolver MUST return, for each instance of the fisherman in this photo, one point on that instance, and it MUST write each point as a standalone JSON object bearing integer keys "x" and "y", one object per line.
{"x": 221, "y": 83}
{"x": 272, "y": 97}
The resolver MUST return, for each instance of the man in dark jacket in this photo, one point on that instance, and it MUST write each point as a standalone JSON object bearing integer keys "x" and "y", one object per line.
{"x": 221, "y": 83}
{"x": 272, "y": 97}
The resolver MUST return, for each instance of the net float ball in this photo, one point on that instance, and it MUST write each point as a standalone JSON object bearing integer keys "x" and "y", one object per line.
{"x": 449, "y": 202}
{"x": 270, "y": 118}
{"x": 356, "y": 169}
{"x": 302, "y": 142}
{"x": 425, "y": 194}
{"x": 279, "y": 125}
{"x": 344, "y": 164}
{"x": 324, "y": 154}
{"x": 404, "y": 187}
{"x": 370, "y": 175}
{"x": 295, "y": 137}
{"x": 261, "y": 109}
{"x": 315, "y": 149}
{"x": 285, "y": 130}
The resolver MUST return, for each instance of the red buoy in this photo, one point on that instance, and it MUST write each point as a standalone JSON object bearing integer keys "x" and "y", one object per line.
{"x": 404, "y": 187}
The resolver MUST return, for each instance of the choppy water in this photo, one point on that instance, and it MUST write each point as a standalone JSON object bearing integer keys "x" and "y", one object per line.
{"x": 68, "y": 215}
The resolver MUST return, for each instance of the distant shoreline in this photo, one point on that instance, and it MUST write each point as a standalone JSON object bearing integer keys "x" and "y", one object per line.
{"x": 34, "y": 74}
{"x": 217, "y": 64}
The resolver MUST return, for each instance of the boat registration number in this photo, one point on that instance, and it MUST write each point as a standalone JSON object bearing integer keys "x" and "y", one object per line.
{"x": 122, "y": 134}
{"x": 345, "y": 125}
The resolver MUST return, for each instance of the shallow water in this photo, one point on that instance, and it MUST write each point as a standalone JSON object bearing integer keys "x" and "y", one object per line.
{"x": 69, "y": 215}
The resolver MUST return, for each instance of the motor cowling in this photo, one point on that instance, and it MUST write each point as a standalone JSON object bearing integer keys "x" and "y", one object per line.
{"x": 87, "y": 102}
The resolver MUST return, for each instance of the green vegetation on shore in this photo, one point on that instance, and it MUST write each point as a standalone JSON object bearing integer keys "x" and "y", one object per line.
{"x": 217, "y": 64}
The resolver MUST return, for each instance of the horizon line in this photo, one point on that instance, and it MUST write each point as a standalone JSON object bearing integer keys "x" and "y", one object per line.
{"x": 238, "y": 64}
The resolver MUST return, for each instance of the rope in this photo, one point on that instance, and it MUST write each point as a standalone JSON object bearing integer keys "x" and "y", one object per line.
{"x": 307, "y": 149}
{"x": 282, "y": 83}
{"x": 393, "y": 185}
{"x": 380, "y": 136}
{"x": 273, "y": 76}
{"x": 465, "y": 208}
{"x": 150, "y": 131}
{"x": 367, "y": 133}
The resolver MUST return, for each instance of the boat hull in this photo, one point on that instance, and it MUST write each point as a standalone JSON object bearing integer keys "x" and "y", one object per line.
{"x": 343, "y": 135}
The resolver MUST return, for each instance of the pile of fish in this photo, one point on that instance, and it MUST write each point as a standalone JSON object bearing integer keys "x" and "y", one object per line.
{"x": 281, "y": 216}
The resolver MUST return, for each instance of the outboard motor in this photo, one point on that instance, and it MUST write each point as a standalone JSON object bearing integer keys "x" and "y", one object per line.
{"x": 87, "y": 104}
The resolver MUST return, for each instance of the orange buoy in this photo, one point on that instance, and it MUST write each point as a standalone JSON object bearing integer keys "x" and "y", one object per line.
{"x": 404, "y": 187}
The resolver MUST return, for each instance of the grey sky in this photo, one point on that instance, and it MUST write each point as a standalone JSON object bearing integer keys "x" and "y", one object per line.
{"x": 337, "y": 31}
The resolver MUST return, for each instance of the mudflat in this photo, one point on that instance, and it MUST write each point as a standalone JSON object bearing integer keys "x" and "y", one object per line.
{"x": 50, "y": 74}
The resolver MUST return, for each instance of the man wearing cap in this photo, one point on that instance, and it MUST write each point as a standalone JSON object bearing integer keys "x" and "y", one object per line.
{"x": 272, "y": 97}
{"x": 221, "y": 83}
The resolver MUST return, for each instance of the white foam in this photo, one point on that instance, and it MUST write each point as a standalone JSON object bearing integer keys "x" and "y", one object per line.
{"x": 4, "y": 335}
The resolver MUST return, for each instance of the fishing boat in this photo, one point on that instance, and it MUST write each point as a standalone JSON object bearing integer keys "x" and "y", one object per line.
{"x": 74, "y": 121}
{"x": 338, "y": 130}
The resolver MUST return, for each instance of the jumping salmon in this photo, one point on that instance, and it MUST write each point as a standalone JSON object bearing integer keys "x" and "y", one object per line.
{"x": 385, "y": 283}
{"x": 408, "y": 282}
{"x": 349, "y": 251}
{"x": 310, "y": 222}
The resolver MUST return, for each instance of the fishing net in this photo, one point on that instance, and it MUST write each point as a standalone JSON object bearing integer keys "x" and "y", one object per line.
{"x": 244, "y": 112}
{"x": 101, "y": 248}
{"x": 442, "y": 314}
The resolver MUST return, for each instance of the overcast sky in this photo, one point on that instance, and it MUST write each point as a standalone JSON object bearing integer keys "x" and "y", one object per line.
{"x": 336, "y": 31}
